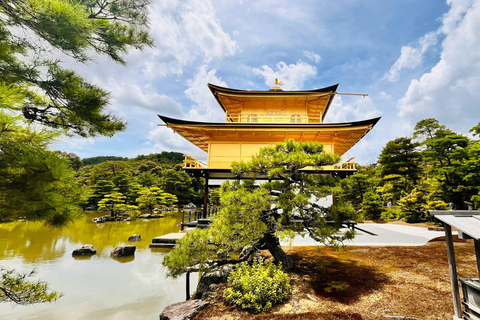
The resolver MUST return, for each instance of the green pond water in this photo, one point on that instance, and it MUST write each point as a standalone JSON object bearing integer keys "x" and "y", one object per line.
{"x": 96, "y": 287}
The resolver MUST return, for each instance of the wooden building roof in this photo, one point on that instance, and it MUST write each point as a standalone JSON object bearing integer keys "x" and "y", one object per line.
{"x": 467, "y": 222}
{"x": 342, "y": 135}
{"x": 316, "y": 101}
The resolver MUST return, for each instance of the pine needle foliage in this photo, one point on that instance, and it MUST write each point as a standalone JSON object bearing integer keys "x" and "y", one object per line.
{"x": 35, "y": 33}
{"x": 252, "y": 218}
{"x": 16, "y": 288}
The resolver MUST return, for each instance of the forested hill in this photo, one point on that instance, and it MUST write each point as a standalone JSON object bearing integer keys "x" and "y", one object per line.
{"x": 100, "y": 159}
{"x": 170, "y": 158}
{"x": 105, "y": 175}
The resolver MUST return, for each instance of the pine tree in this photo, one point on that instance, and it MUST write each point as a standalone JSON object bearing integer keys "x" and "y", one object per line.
{"x": 254, "y": 217}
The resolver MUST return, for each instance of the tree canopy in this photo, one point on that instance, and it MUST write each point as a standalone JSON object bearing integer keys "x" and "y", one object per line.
{"x": 33, "y": 80}
{"x": 35, "y": 87}
{"x": 433, "y": 168}
{"x": 254, "y": 217}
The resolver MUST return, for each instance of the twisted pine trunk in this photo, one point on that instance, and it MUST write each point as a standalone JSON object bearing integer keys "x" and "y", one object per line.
{"x": 272, "y": 245}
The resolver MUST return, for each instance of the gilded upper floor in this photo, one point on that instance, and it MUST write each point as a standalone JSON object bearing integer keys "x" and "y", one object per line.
{"x": 274, "y": 106}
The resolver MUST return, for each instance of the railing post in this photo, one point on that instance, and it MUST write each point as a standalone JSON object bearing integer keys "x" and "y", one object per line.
{"x": 205, "y": 198}
{"x": 187, "y": 286}
{"x": 452, "y": 266}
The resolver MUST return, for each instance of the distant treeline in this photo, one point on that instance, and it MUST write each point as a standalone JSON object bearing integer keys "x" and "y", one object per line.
{"x": 100, "y": 159}
{"x": 164, "y": 157}
{"x": 105, "y": 175}
{"x": 434, "y": 169}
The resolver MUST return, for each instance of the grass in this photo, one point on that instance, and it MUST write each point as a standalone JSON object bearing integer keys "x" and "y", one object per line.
{"x": 367, "y": 283}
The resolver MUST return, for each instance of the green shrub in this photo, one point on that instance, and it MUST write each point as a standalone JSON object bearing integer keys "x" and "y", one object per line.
{"x": 413, "y": 206}
{"x": 391, "y": 214}
{"x": 372, "y": 207}
{"x": 257, "y": 287}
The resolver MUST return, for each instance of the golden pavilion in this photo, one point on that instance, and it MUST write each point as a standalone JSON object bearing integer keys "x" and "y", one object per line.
{"x": 255, "y": 119}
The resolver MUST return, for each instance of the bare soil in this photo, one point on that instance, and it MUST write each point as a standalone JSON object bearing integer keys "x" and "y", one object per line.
{"x": 368, "y": 283}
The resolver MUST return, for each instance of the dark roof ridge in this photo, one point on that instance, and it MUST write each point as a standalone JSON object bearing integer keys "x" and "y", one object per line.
{"x": 213, "y": 87}
{"x": 371, "y": 121}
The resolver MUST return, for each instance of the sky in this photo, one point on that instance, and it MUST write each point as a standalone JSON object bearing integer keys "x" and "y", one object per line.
{"x": 414, "y": 59}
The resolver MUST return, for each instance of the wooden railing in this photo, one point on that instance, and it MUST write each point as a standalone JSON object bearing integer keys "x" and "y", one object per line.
{"x": 225, "y": 162}
{"x": 192, "y": 162}
{"x": 274, "y": 118}
{"x": 347, "y": 165}
{"x": 192, "y": 215}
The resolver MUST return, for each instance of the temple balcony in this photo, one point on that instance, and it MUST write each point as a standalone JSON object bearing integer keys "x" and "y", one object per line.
{"x": 274, "y": 118}
{"x": 225, "y": 162}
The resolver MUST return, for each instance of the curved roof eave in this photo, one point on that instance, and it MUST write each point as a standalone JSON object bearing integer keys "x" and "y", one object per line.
{"x": 214, "y": 88}
{"x": 371, "y": 122}
{"x": 218, "y": 89}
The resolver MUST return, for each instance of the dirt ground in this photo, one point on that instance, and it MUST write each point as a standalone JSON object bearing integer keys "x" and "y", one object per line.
{"x": 364, "y": 283}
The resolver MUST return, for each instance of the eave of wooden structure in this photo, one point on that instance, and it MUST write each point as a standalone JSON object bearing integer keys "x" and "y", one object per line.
{"x": 343, "y": 136}
{"x": 315, "y": 102}
{"x": 467, "y": 223}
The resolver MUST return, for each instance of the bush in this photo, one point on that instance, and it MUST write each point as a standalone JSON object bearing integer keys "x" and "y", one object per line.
{"x": 391, "y": 214}
{"x": 372, "y": 207}
{"x": 257, "y": 287}
{"x": 413, "y": 207}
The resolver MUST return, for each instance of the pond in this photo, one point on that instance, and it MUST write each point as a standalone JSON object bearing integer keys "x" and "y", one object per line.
{"x": 97, "y": 287}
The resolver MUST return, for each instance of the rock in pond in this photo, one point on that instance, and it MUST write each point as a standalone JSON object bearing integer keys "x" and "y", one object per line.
{"x": 135, "y": 237}
{"x": 99, "y": 219}
{"x": 150, "y": 216}
{"x": 85, "y": 250}
{"x": 186, "y": 310}
{"x": 123, "y": 251}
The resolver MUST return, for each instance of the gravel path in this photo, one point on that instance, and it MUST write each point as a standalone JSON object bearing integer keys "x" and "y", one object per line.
{"x": 372, "y": 234}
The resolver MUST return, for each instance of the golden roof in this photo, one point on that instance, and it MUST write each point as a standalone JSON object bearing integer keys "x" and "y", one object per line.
{"x": 343, "y": 136}
{"x": 316, "y": 102}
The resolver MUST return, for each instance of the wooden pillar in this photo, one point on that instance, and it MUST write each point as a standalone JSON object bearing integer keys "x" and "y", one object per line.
{"x": 457, "y": 306}
{"x": 187, "y": 286}
{"x": 477, "y": 254}
{"x": 205, "y": 198}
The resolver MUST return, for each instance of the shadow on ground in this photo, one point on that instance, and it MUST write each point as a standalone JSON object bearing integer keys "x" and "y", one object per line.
{"x": 312, "y": 316}
{"x": 341, "y": 280}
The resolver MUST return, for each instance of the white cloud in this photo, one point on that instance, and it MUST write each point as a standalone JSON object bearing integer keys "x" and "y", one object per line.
{"x": 184, "y": 31}
{"x": 359, "y": 109}
{"x": 458, "y": 8}
{"x": 128, "y": 98}
{"x": 293, "y": 76}
{"x": 411, "y": 56}
{"x": 206, "y": 108}
{"x": 449, "y": 92}
{"x": 164, "y": 138}
{"x": 384, "y": 96}
{"x": 312, "y": 56}
{"x": 282, "y": 9}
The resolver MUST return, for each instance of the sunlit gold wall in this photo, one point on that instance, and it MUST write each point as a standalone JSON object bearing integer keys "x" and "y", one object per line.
{"x": 221, "y": 155}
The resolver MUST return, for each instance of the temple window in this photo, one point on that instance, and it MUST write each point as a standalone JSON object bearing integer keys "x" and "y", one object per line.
{"x": 295, "y": 118}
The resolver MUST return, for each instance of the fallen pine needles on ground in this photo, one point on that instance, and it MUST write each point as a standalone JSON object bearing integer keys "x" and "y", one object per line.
{"x": 363, "y": 283}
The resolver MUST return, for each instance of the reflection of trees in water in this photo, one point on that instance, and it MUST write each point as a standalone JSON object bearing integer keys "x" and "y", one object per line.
{"x": 34, "y": 242}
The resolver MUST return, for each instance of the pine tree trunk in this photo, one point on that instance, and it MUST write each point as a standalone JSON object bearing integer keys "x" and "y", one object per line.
{"x": 272, "y": 245}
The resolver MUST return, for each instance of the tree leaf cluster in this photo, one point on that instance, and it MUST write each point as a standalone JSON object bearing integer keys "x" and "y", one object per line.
{"x": 35, "y": 183}
{"x": 130, "y": 176}
{"x": 434, "y": 167}
{"x": 34, "y": 82}
{"x": 16, "y": 288}
{"x": 37, "y": 88}
{"x": 254, "y": 215}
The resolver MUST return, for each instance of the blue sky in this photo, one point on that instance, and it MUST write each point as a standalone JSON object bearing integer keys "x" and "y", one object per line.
{"x": 415, "y": 59}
